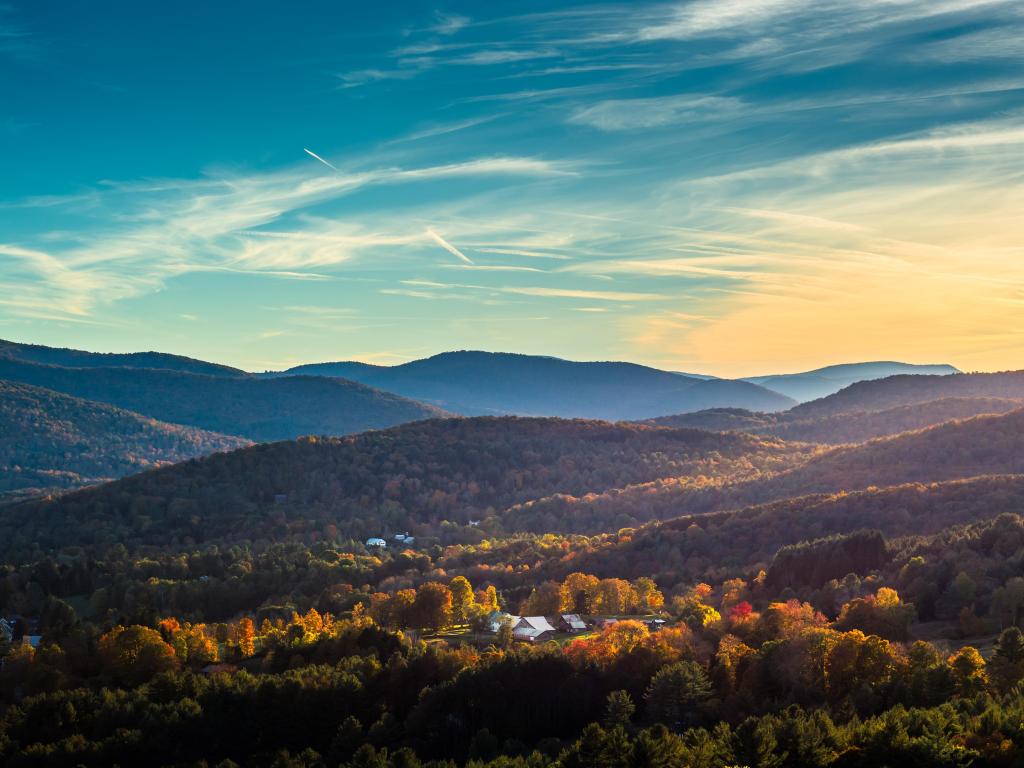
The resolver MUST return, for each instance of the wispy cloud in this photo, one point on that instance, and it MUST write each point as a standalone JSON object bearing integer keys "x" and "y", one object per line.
{"x": 220, "y": 223}
{"x": 445, "y": 128}
{"x": 449, "y": 23}
{"x": 630, "y": 114}
{"x": 575, "y": 293}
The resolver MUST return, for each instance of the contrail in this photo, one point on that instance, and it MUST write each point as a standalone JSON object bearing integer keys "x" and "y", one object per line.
{"x": 315, "y": 156}
{"x": 448, "y": 246}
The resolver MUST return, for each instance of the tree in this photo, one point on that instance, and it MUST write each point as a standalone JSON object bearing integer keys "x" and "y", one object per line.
{"x": 658, "y": 748}
{"x": 588, "y": 750}
{"x": 577, "y": 593}
{"x": 544, "y": 600}
{"x": 650, "y": 598}
{"x": 246, "y": 637}
{"x": 347, "y": 739}
{"x": 132, "y": 655}
{"x": 504, "y": 637}
{"x": 675, "y": 691}
{"x": 619, "y": 709}
{"x": 969, "y": 672}
{"x": 692, "y": 609}
{"x": 463, "y": 601}
{"x": 432, "y": 608}
{"x": 613, "y": 597}
{"x": 757, "y": 745}
{"x": 1007, "y": 666}
{"x": 488, "y": 599}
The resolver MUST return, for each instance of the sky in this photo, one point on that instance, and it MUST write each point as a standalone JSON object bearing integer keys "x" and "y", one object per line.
{"x": 729, "y": 187}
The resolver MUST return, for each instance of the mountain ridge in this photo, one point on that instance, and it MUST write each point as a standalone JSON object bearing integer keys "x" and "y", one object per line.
{"x": 821, "y": 382}
{"x": 493, "y": 383}
{"x": 251, "y": 407}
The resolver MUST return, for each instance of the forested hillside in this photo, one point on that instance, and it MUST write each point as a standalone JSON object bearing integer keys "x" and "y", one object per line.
{"x": 958, "y": 449}
{"x": 894, "y": 391}
{"x": 258, "y": 409}
{"x": 767, "y": 589}
{"x": 51, "y": 441}
{"x": 415, "y": 477}
{"x": 853, "y": 427}
{"x": 727, "y": 544}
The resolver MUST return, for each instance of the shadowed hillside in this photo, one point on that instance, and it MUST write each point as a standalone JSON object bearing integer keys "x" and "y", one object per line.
{"x": 983, "y": 445}
{"x": 725, "y": 544}
{"x": 854, "y": 427}
{"x": 895, "y": 391}
{"x": 50, "y": 440}
{"x": 419, "y": 474}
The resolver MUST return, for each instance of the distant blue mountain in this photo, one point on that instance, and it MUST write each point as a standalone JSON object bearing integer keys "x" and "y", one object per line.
{"x": 479, "y": 383}
{"x": 822, "y": 382}
{"x": 76, "y": 358}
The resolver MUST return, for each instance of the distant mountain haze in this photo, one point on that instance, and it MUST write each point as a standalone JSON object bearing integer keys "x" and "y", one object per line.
{"x": 882, "y": 394}
{"x": 255, "y": 408}
{"x": 481, "y": 383}
{"x": 821, "y": 382}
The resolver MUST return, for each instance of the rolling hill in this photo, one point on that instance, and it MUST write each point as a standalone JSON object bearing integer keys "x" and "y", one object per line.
{"x": 481, "y": 383}
{"x": 882, "y": 394}
{"x": 984, "y": 445}
{"x": 854, "y": 427}
{"x": 413, "y": 477}
{"x": 258, "y": 409}
{"x": 822, "y": 382}
{"x": 49, "y": 440}
{"x": 725, "y": 544}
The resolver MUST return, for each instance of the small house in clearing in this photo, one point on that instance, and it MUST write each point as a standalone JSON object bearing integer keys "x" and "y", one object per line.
{"x": 530, "y": 629}
{"x": 571, "y": 623}
{"x": 376, "y": 541}
{"x": 496, "y": 618}
{"x": 404, "y": 538}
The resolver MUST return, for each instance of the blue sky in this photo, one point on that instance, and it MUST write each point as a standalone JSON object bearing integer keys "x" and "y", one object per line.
{"x": 730, "y": 187}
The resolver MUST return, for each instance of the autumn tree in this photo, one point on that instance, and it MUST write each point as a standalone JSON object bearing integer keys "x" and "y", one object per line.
{"x": 649, "y": 597}
{"x": 488, "y": 599}
{"x": 463, "y": 602}
{"x": 544, "y": 600}
{"x": 134, "y": 654}
{"x": 692, "y": 608}
{"x": 432, "y": 608}
{"x": 246, "y": 637}
{"x": 969, "y": 673}
{"x": 577, "y": 593}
